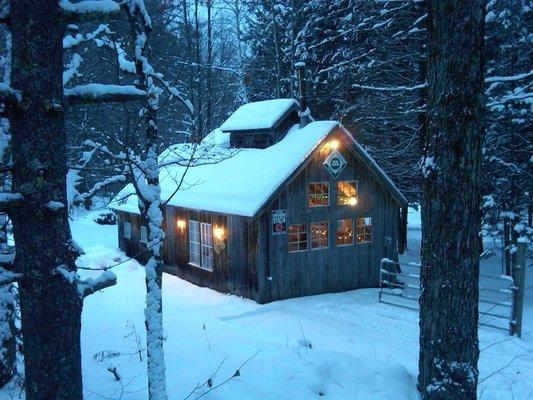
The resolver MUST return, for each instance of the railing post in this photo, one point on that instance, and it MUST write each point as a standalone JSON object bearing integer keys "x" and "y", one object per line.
{"x": 380, "y": 278}
{"x": 519, "y": 269}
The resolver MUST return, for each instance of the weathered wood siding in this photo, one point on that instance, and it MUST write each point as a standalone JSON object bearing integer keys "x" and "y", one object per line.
{"x": 132, "y": 247}
{"x": 336, "y": 268}
{"x": 235, "y": 266}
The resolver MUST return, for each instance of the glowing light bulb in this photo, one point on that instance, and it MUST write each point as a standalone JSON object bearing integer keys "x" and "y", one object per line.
{"x": 334, "y": 144}
{"x": 352, "y": 201}
{"x": 181, "y": 223}
{"x": 219, "y": 233}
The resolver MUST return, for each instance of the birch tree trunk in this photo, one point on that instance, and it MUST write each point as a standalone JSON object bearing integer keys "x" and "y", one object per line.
{"x": 449, "y": 348}
{"x": 149, "y": 194}
{"x": 50, "y": 306}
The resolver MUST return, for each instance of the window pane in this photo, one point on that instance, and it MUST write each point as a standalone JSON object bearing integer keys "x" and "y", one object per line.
{"x": 144, "y": 235}
{"x": 194, "y": 243}
{"x": 318, "y": 194}
{"x": 346, "y": 192}
{"x": 297, "y": 237}
{"x": 319, "y": 235}
{"x": 127, "y": 230}
{"x": 207, "y": 245}
{"x": 344, "y": 232}
{"x": 363, "y": 230}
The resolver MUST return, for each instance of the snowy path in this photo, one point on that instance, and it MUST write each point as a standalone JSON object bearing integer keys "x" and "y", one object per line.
{"x": 336, "y": 346}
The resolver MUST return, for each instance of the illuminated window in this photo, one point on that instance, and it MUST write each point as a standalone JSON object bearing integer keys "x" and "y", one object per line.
{"x": 297, "y": 238}
{"x": 127, "y": 230}
{"x": 318, "y": 194}
{"x": 206, "y": 231}
{"x": 144, "y": 235}
{"x": 363, "y": 230}
{"x": 319, "y": 235}
{"x": 344, "y": 232}
{"x": 346, "y": 193}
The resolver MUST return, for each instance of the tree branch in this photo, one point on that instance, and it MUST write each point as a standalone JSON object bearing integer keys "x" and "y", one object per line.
{"x": 88, "y": 286}
{"x": 9, "y": 95}
{"x": 89, "y": 9}
{"x": 100, "y": 93}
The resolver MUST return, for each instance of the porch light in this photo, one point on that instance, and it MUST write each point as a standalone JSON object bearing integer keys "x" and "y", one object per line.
{"x": 181, "y": 224}
{"x": 219, "y": 233}
{"x": 352, "y": 201}
{"x": 334, "y": 144}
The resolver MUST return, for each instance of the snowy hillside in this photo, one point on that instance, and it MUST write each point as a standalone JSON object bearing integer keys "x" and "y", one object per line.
{"x": 335, "y": 346}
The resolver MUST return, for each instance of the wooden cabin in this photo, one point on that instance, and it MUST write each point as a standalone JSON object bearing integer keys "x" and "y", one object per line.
{"x": 270, "y": 209}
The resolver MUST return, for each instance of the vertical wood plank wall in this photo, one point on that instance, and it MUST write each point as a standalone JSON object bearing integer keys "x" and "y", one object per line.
{"x": 256, "y": 264}
{"x": 336, "y": 268}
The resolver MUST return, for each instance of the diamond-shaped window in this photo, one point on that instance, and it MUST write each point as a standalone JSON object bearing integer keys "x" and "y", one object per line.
{"x": 335, "y": 163}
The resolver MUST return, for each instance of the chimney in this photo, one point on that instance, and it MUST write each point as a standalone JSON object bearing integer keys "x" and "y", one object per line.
{"x": 304, "y": 110}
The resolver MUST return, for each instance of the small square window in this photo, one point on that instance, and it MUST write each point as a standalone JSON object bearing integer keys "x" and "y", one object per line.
{"x": 346, "y": 193}
{"x": 127, "y": 230}
{"x": 344, "y": 232}
{"x": 297, "y": 238}
{"x": 363, "y": 230}
{"x": 318, "y": 194}
{"x": 319, "y": 235}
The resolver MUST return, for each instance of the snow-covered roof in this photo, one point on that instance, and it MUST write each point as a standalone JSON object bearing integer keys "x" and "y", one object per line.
{"x": 229, "y": 181}
{"x": 258, "y": 115}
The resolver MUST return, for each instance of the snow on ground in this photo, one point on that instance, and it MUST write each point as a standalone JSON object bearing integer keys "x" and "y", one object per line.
{"x": 334, "y": 346}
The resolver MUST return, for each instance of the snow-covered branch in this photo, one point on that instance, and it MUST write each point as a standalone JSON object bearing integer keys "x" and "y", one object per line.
{"x": 9, "y": 95}
{"x": 89, "y": 9}
{"x": 511, "y": 78}
{"x": 8, "y": 199}
{"x": 100, "y": 93}
{"x": 391, "y": 88}
{"x": 8, "y": 277}
{"x": 88, "y": 286}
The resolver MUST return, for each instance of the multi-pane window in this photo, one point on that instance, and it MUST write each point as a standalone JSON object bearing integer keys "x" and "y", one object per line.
{"x": 127, "y": 230}
{"x": 318, "y": 194}
{"x": 346, "y": 193}
{"x": 144, "y": 235}
{"x": 206, "y": 231}
{"x": 297, "y": 237}
{"x": 194, "y": 243}
{"x": 319, "y": 235}
{"x": 363, "y": 230}
{"x": 344, "y": 232}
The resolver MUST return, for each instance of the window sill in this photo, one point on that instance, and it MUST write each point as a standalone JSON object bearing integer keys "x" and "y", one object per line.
{"x": 199, "y": 267}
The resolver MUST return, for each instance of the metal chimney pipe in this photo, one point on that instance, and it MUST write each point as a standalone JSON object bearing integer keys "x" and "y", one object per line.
{"x": 304, "y": 110}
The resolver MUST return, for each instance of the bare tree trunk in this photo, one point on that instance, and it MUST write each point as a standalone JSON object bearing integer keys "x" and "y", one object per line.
{"x": 209, "y": 72}
{"x": 50, "y": 306}
{"x": 449, "y": 348}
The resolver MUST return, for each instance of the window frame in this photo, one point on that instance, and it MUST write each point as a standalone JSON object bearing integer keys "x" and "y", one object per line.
{"x": 327, "y": 183}
{"x": 128, "y": 230}
{"x": 197, "y": 260}
{"x": 365, "y": 233}
{"x": 144, "y": 235}
{"x": 337, "y": 231}
{"x": 206, "y": 229}
{"x": 327, "y": 235}
{"x": 298, "y": 242}
{"x": 354, "y": 181}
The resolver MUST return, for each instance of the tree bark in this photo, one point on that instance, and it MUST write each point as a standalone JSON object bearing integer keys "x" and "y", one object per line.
{"x": 149, "y": 194}
{"x": 50, "y": 306}
{"x": 449, "y": 348}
